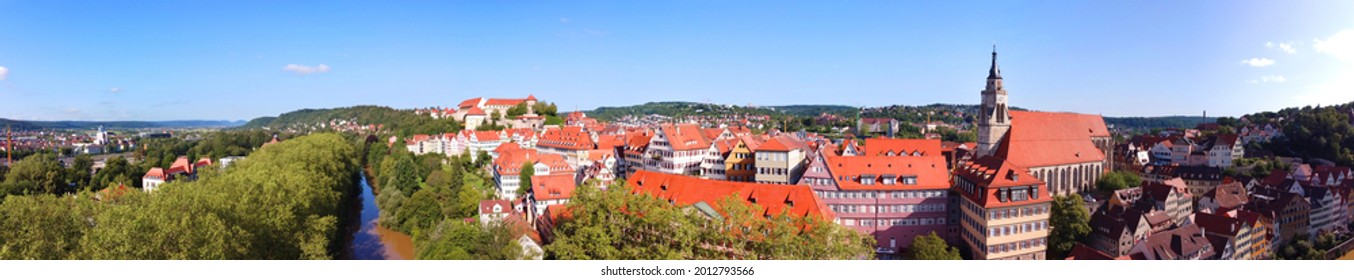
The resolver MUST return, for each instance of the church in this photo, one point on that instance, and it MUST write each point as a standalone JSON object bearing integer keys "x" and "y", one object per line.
{"x": 1068, "y": 151}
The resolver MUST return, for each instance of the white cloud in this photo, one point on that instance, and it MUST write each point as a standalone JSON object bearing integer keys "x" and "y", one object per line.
{"x": 1288, "y": 48}
{"x": 1340, "y": 45}
{"x": 4, "y": 73}
{"x": 565, "y": 20}
{"x": 115, "y": 90}
{"x": 1269, "y": 44}
{"x": 306, "y": 70}
{"x": 1274, "y": 78}
{"x": 1258, "y": 62}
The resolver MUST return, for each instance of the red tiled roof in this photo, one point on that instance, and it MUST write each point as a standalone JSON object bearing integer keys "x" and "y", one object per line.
{"x": 990, "y": 174}
{"x": 474, "y": 111}
{"x": 782, "y": 144}
{"x": 794, "y": 200}
{"x": 552, "y": 187}
{"x": 487, "y": 206}
{"x": 712, "y": 133}
{"x": 600, "y": 154}
{"x": 567, "y": 138}
{"x": 470, "y": 103}
{"x": 155, "y": 172}
{"x": 531, "y": 97}
{"x": 1045, "y": 139}
{"x": 180, "y": 165}
{"x": 685, "y": 137}
{"x": 883, "y": 146}
{"x": 202, "y": 162}
{"x": 503, "y": 101}
{"x": 488, "y": 135}
{"x": 610, "y": 141}
{"x": 929, "y": 171}
{"x": 507, "y": 147}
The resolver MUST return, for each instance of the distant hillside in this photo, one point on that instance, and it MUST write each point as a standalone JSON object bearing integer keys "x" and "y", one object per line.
{"x": 677, "y": 109}
{"x": 1146, "y": 123}
{"x": 115, "y": 125}
{"x": 402, "y": 122}
{"x": 815, "y": 110}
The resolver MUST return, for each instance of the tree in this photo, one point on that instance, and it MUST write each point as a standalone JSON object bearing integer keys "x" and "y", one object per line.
{"x": 931, "y": 247}
{"x": 518, "y": 110}
{"x": 79, "y": 172}
{"x": 421, "y": 211}
{"x": 1070, "y": 222}
{"x": 401, "y": 175}
{"x": 528, "y": 170}
{"x": 458, "y": 240}
{"x": 44, "y": 227}
{"x": 37, "y": 174}
{"x": 1117, "y": 180}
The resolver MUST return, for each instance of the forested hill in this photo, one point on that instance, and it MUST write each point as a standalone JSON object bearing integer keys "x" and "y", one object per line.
{"x": 1310, "y": 132}
{"x": 85, "y": 125}
{"x": 1147, "y": 123}
{"x": 402, "y": 122}
{"x": 676, "y": 109}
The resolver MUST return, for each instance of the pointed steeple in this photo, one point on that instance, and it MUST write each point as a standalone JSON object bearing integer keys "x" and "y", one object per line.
{"x": 994, "y": 73}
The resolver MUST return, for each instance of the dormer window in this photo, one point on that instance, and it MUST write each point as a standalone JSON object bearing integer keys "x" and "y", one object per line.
{"x": 909, "y": 180}
{"x": 890, "y": 179}
{"x": 867, "y": 179}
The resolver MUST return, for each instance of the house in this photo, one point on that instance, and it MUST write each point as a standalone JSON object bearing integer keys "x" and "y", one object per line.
{"x": 902, "y": 147}
{"x": 714, "y": 165}
{"x": 1232, "y": 238}
{"x": 1115, "y": 230}
{"x": 741, "y": 165}
{"x": 708, "y": 196}
{"x": 1199, "y": 179}
{"x": 1171, "y": 196}
{"x": 677, "y": 149}
{"x": 507, "y": 169}
{"x": 1184, "y": 243}
{"x": 877, "y": 126}
{"x": 1225, "y": 198}
{"x": 894, "y": 199}
{"x": 181, "y": 169}
{"x": 494, "y": 210}
{"x": 780, "y": 160}
{"x": 634, "y": 155}
{"x": 603, "y": 168}
{"x": 1004, "y": 210}
{"x": 1223, "y": 149}
{"x": 571, "y": 142}
{"x": 153, "y": 179}
{"x": 552, "y": 189}
{"x": 1288, "y": 214}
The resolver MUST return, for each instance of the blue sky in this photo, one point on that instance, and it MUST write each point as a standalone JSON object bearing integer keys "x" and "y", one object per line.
{"x": 116, "y": 60}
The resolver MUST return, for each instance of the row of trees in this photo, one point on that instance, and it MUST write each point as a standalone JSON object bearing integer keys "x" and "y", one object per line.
{"x": 283, "y": 202}
{"x": 617, "y": 224}
{"x": 401, "y": 122}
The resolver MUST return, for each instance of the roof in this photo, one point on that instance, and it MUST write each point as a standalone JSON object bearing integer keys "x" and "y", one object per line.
{"x": 552, "y": 187}
{"x": 610, "y": 141}
{"x": 567, "y": 138}
{"x": 488, "y": 135}
{"x": 990, "y": 175}
{"x": 685, "y": 136}
{"x": 112, "y": 193}
{"x": 1162, "y": 191}
{"x": 474, "y": 111}
{"x": 180, "y": 165}
{"x": 155, "y": 172}
{"x": 503, "y": 101}
{"x": 1218, "y": 224}
{"x": 1044, "y": 139}
{"x": 712, "y": 133}
{"x": 470, "y": 103}
{"x": 202, "y": 162}
{"x": 794, "y": 200}
{"x": 782, "y": 144}
{"x": 1230, "y": 196}
{"x": 506, "y": 147}
{"x": 1184, "y": 172}
{"x": 929, "y": 172}
{"x": 885, "y": 146}
{"x": 1176, "y": 244}
{"x": 1083, "y": 252}
{"x": 487, "y": 206}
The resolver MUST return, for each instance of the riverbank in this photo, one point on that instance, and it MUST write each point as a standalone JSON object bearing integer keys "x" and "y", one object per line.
{"x": 371, "y": 241}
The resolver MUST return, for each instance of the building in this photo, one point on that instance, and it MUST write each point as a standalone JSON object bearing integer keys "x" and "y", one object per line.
{"x": 741, "y": 165}
{"x": 893, "y": 199}
{"x": 1200, "y": 179}
{"x": 1004, "y": 210}
{"x": 1233, "y": 238}
{"x": 677, "y": 149}
{"x": 1225, "y": 198}
{"x": 507, "y": 169}
{"x": 571, "y": 142}
{"x": 1288, "y": 214}
{"x": 494, "y": 210}
{"x": 877, "y": 126}
{"x": 1115, "y": 230}
{"x": 780, "y": 160}
{"x": 181, "y": 169}
{"x": 553, "y": 189}
{"x": 1184, "y": 243}
{"x": 1068, "y": 151}
{"x": 1171, "y": 196}
{"x": 714, "y": 166}
{"x": 708, "y": 196}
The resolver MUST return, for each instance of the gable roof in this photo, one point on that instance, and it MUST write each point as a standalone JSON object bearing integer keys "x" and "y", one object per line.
{"x": 928, "y": 171}
{"x": 782, "y": 144}
{"x": 794, "y": 200}
{"x": 685, "y": 136}
{"x": 990, "y": 175}
{"x": 883, "y": 146}
{"x": 567, "y": 138}
{"x": 1044, "y": 139}
{"x": 553, "y": 186}
{"x": 487, "y": 206}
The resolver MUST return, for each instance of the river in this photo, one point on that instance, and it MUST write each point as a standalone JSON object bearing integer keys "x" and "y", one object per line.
{"x": 371, "y": 241}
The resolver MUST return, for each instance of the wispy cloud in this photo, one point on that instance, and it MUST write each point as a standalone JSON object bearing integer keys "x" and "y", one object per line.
{"x": 115, "y": 90}
{"x": 4, "y": 73}
{"x": 1340, "y": 45}
{"x": 1282, "y": 46}
{"x": 565, "y": 20}
{"x": 1269, "y": 79}
{"x": 1258, "y": 62}
{"x": 306, "y": 70}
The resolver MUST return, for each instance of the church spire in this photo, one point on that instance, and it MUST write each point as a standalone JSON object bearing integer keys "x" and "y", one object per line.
{"x": 994, "y": 73}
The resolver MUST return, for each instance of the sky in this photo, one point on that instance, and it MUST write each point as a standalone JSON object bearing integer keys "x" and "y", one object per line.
{"x": 237, "y": 60}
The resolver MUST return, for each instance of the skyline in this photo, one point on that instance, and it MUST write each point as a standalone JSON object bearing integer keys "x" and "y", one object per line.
{"x": 226, "y": 61}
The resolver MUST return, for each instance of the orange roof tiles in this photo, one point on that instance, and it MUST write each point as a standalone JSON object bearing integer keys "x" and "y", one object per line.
{"x": 990, "y": 175}
{"x": 470, "y": 103}
{"x": 180, "y": 165}
{"x": 894, "y": 146}
{"x": 794, "y": 200}
{"x": 155, "y": 172}
{"x": 929, "y": 172}
{"x": 474, "y": 111}
{"x": 503, "y": 101}
{"x": 1045, "y": 139}
{"x": 782, "y": 144}
{"x": 567, "y": 138}
{"x": 552, "y": 187}
{"x": 685, "y": 137}
{"x": 486, "y": 135}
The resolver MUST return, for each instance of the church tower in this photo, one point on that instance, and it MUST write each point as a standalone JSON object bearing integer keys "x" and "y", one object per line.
{"x": 993, "y": 121}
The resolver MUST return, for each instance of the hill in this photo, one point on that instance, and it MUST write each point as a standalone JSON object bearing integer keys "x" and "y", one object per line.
{"x": 1147, "y": 123}
{"x": 401, "y": 122}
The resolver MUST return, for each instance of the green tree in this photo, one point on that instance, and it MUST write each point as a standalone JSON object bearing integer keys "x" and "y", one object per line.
{"x": 458, "y": 240}
{"x": 421, "y": 211}
{"x": 80, "y": 171}
{"x": 1117, "y": 180}
{"x": 931, "y": 247}
{"x": 400, "y": 176}
{"x": 44, "y": 227}
{"x": 528, "y": 170}
{"x": 1070, "y": 222}
{"x": 518, "y": 110}
{"x": 37, "y": 174}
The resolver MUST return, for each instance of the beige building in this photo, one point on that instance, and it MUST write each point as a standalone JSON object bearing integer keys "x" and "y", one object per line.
{"x": 1004, "y": 210}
